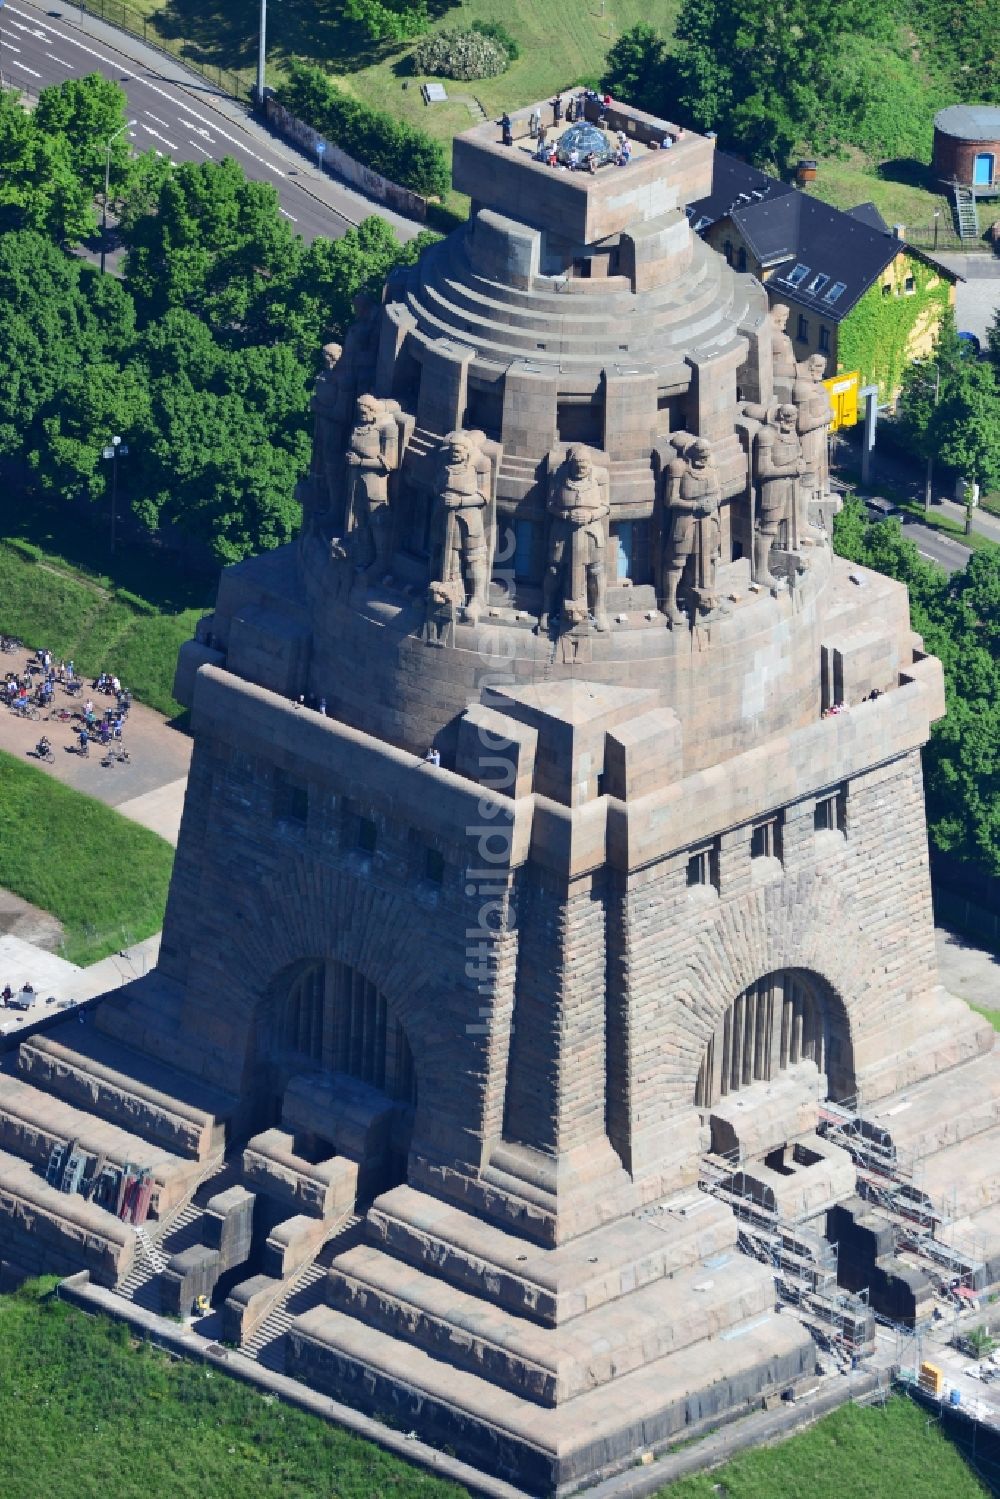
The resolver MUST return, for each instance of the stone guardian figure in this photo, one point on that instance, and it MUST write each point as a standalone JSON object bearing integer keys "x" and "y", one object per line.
{"x": 575, "y": 577}
{"x": 783, "y": 365}
{"x": 372, "y": 456}
{"x": 460, "y": 566}
{"x": 815, "y": 413}
{"x": 692, "y": 493}
{"x": 778, "y": 471}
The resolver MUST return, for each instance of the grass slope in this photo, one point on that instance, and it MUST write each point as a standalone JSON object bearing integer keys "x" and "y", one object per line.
{"x": 85, "y": 1415}
{"x": 895, "y": 1453}
{"x": 104, "y": 877}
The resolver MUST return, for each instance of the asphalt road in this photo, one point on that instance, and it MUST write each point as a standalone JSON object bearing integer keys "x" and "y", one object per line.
{"x": 178, "y": 113}
{"x": 934, "y": 546}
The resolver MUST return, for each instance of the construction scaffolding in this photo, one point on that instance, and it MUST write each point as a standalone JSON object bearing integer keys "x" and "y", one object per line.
{"x": 803, "y": 1261}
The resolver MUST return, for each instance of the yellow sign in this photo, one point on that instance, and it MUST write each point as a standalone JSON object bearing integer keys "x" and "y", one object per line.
{"x": 930, "y": 1379}
{"x": 843, "y": 391}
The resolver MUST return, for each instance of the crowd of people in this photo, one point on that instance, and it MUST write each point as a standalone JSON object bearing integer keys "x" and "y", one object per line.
{"x": 546, "y": 149}
{"x": 32, "y": 690}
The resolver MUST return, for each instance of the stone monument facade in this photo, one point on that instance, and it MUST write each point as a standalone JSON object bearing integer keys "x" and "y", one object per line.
{"x": 578, "y": 896}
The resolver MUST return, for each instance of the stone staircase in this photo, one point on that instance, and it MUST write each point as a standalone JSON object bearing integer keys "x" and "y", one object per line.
{"x": 302, "y": 1292}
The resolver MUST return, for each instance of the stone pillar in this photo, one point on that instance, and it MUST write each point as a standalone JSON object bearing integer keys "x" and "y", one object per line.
{"x": 443, "y": 386}
{"x": 529, "y": 410}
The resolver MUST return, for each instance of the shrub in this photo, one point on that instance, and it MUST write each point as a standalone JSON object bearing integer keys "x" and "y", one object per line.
{"x": 398, "y": 151}
{"x": 461, "y": 54}
{"x": 500, "y": 34}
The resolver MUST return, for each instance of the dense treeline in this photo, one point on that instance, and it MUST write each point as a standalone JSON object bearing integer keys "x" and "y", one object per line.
{"x": 201, "y": 357}
{"x": 812, "y": 74}
{"x": 959, "y": 619}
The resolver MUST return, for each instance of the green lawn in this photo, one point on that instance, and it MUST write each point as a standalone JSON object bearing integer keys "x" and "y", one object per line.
{"x": 86, "y": 1415}
{"x": 890, "y": 1453}
{"x": 129, "y": 615}
{"x": 104, "y": 877}
{"x": 993, "y": 1016}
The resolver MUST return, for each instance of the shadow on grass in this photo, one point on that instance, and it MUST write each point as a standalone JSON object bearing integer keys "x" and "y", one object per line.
{"x": 224, "y": 34}
{"x": 909, "y": 173}
{"x": 142, "y": 568}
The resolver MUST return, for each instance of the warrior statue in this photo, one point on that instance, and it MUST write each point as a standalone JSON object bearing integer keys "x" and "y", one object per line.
{"x": 691, "y": 498}
{"x": 578, "y": 541}
{"x": 372, "y": 455}
{"x": 347, "y": 370}
{"x": 779, "y": 469}
{"x": 460, "y": 566}
{"x": 783, "y": 363}
{"x": 815, "y": 413}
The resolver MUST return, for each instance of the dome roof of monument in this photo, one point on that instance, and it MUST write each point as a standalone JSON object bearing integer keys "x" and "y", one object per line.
{"x": 587, "y": 140}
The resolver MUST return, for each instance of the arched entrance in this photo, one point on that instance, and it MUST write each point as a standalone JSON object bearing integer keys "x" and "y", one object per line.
{"x": 782, "y": 1019}
{"x": 326, "y": 1016}
{"x": 332, "y": 1015}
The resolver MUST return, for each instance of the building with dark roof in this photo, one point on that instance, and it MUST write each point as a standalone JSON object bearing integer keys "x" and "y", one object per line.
{"x": 822, "y": 262}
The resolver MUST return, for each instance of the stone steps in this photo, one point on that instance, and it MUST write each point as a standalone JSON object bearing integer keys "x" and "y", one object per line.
{"x": 34, "y": 1123}
{"x": 965, "y": 1178}
{"x": 549, "y": 1285}
{"x": 105, "y": 1078}
{"x": 545, "y": 1448}
{"x": 548, "y": 1365}
{"x": 940, "y": 1112}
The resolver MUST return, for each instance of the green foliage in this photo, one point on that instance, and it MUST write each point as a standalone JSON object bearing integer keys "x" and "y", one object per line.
{"x": 386, "y": 22}
{"x": 69, "y": 854}
{"x": 957, "y": 619}
{"x": 886, "y": 103}
{"x": 950, "y": 407}
{"x": 877, "y": 1453}
{"x": 47, "y": 602}
{"x": 87, "y": 112}
{"x": 84, "y": 1412}
{"x": 460, "y": 54}
{"x": 875, "y": 335}
{"x": 39, "y": 189}
{"x": 499, "y": 33}
{"x": 635, "y": 69}
{"x": 960, "y": 39}
{"x": 387, "y": 145}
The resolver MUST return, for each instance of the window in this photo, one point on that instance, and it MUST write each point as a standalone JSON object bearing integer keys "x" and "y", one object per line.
{"x": 434, "y": 866}
{"x": 824, "y": 339}
{"x": 830, "y": 815}
{"x": 887, "y": 288}
{"x": 524, "y": 550}
{"x": 367, "y": 835}
{"x": 909, "y": 286}
{"x": 802, "y": 331}
{"x": 765, "y": 839}
{"x": 817, "y": 284}
{"x": 836, "y": 291}
{"x": 703, "y": 865}
{"x": 797, "y": 275}
{"x": 741, "y": 259}
{"x": 727, "y": 250}
{"x": 291, "y": 799}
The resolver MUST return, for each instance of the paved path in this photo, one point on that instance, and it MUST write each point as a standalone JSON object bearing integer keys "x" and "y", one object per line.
{"x": 178, "y": 113}
{"x": 977, "y": 298}
{"x": 149, "y": 788}
{"x": 971, "y": 972}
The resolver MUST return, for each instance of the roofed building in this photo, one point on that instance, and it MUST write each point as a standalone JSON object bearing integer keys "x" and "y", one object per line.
{"x": 824, "y": 262}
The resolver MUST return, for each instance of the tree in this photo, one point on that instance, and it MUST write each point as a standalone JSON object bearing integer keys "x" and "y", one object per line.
{"x": 635, "y": 69}
{"x": 39, "y": 188}
{"x": 87, "y": 112}
{"x": 966, "y": 425}
{"x": 387, "y": 22}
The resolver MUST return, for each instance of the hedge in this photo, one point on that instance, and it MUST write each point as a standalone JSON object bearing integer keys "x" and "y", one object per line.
{"x": 386, "y": 145}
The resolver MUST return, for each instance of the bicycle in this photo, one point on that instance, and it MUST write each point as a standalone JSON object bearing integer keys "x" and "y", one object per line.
{"x": 30, "y": 712}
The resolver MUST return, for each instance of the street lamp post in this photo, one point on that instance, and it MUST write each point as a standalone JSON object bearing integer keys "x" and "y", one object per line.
{"x": 929, "y": 481}
{"x": 107, "y": 186}
{"x": 937, "y": 220}
{"x": 116, "y": 449}
{"x": 261, "y": 54}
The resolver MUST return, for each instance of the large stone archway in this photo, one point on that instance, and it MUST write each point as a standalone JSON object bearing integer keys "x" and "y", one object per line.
{"x": 781, "y": 1019}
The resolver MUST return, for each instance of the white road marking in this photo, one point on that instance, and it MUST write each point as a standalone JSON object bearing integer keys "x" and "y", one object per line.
{"x": 152, "y": 116}
{"x": 199, "y": 148}
{"x": 61, "y": 61}
{"x": 157, "y": 136}
{"x": 288, "y": 215}
{"x": 9, "y": 46}
{"x": 24, "y": 68}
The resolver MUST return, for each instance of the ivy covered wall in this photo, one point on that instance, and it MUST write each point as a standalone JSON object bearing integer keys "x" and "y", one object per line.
{"x": 891, "y": 326}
